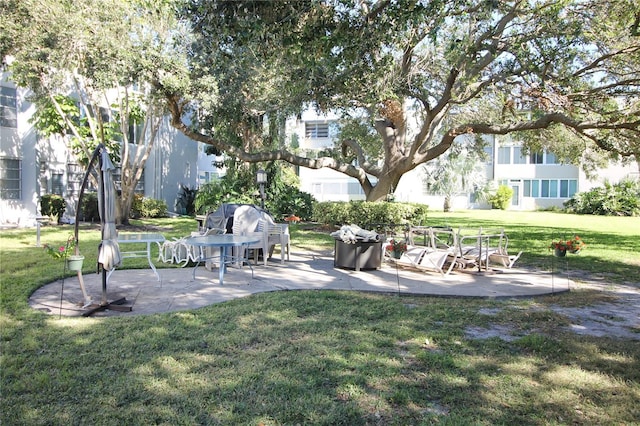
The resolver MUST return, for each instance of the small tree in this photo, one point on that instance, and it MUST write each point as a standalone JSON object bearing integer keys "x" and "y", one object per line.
{"x": 105, "y": 53}
{"x": 502, "y": 198}
{"x": 456, "y": 173}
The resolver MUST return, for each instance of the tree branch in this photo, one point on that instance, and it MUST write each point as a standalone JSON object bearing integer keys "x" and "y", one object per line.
{"x": 357, "y": 173}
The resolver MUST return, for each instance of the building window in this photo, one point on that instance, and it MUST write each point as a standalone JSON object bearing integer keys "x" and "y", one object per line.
{"x": 10, "y": 179}
{"x": 8, "y": 107}
{"x": 551, "y": 158}
{"x": 518, "y": 156}
{"x": 568, "y": 188}
{"x": 75, "y": 174}
{"x": 504, "y": 155}
{"x": 57, "y": 183}
{"x": 316, "y": 130}
{"x": 573, "y": 187}
{"x": 552, "y": 188}
{"x": 535, "y": 188}
{"x": 117, "y": 181}
{"x": 354, "y": 188}
{"x": 536, "y": 158}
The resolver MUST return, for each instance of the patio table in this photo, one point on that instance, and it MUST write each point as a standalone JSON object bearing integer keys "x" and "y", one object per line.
{"x": 222, "y": 242}
{"x": 141, "y": 237}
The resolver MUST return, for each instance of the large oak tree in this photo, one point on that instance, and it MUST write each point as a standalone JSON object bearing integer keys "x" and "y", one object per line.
{"x": 410, "y": 76}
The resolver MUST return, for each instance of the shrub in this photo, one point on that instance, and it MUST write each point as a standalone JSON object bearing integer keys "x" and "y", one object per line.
{"x": 332, "y": 213}
{"x": 212, "y": 194}
{"x": 89, "y": 207}
{"x": 52, "y": 205}
{"x": 502, "y": 198}
{"x": 153, "y": 208}
{"x": 291, "y": 201}
{"x": 369, "y": 214}
{"x": 620, "y": 199}
{"x": 136, "y": 206}
{"x": 185, "y": 204}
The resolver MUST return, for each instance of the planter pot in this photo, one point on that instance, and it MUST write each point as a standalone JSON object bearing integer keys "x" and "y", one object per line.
{"x": 560, "y": 253}
{"x": 358, "y": 255}
{"x": 396, "y": 254}
{"x": 74, "y": 263}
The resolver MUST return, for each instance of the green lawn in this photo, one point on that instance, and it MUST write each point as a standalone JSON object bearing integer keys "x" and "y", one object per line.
{"x": 321, "y": 357}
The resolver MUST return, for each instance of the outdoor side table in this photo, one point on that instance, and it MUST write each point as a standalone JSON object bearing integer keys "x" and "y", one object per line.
{"x": 137, "y": 238}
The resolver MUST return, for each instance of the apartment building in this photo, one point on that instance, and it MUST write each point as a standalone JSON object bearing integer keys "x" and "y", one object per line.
{"x": 311, "y": 133}
{"x": 31, "y": 166}
{"x": 539, "y": 180}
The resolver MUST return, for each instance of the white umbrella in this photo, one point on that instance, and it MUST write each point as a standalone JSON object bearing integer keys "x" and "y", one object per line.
{"x": 109, "y": 255}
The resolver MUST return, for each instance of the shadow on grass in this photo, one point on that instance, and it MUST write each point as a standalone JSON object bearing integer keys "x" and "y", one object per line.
{"x": 312, "y": 357}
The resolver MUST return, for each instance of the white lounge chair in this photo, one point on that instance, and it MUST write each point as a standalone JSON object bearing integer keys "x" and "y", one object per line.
{"x": 440, "y": 248}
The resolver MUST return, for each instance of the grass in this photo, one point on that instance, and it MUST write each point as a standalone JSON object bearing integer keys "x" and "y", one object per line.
{"x": 321, "y": 357}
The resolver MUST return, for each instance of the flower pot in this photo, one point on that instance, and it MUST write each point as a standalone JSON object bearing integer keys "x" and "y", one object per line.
{"x": 396, "y": 254}
{"x": 74, "y": 263}
{"x": 560, "y": 253}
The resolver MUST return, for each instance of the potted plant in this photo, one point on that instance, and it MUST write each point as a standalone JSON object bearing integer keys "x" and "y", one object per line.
{"x": 574, "y": 245}
{"x": 396, "y": 248}
{"x": 66, "y": 253}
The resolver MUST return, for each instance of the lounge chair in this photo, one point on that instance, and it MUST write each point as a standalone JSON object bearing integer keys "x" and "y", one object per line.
{"x": 439, "y": 251}
{"x": 482, "y": 247}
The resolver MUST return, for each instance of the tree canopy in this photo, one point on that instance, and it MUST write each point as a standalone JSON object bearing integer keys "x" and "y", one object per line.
{"x": 558, "y": 74}
{"x": 407, "y": 76}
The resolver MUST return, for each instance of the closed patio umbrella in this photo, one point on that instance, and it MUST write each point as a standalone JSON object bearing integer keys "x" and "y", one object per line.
{"x": 109, "y": 251}
{"x": 109, "y": 255}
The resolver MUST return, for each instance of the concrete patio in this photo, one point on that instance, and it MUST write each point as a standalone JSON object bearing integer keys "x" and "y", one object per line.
{"x": 177, "y": 290}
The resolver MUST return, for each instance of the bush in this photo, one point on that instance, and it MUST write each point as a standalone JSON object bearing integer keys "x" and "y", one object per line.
{"x": 291, "y": 201}
{"x": 151, "y": 208}
{"x": 369, "y": 214}
{"x": 89, "y": 207}
{"x": 147, "y": 207}
{"x": 185, "y": 204}
{"x": 52, "y": 205}
{"x": 212, "y": 194}
{"x": 620, "y": 199}
{"x": 136, "y": 206}
{"x": 502, "y": 198}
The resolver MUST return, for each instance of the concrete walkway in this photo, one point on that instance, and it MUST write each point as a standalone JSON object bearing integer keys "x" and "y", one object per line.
{"x": 177, "y": 290}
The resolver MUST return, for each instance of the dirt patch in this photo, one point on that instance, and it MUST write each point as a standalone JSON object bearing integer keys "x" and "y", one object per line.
{"x": 618, "y": 316}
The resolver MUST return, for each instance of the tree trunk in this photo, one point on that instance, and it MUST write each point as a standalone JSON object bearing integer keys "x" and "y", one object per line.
{"x": 382, "y": 188}
{"x": 447, "y": 204}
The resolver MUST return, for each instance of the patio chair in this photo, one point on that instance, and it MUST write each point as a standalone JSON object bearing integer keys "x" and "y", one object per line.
{"x": 179, "y": 252}
{"x": 174, "y": 251}
{"x": 440, "y": 248}
{"x": 277, "y": 233}
{"x": 239, "y": 228}
{"x": 483, "y": 247}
